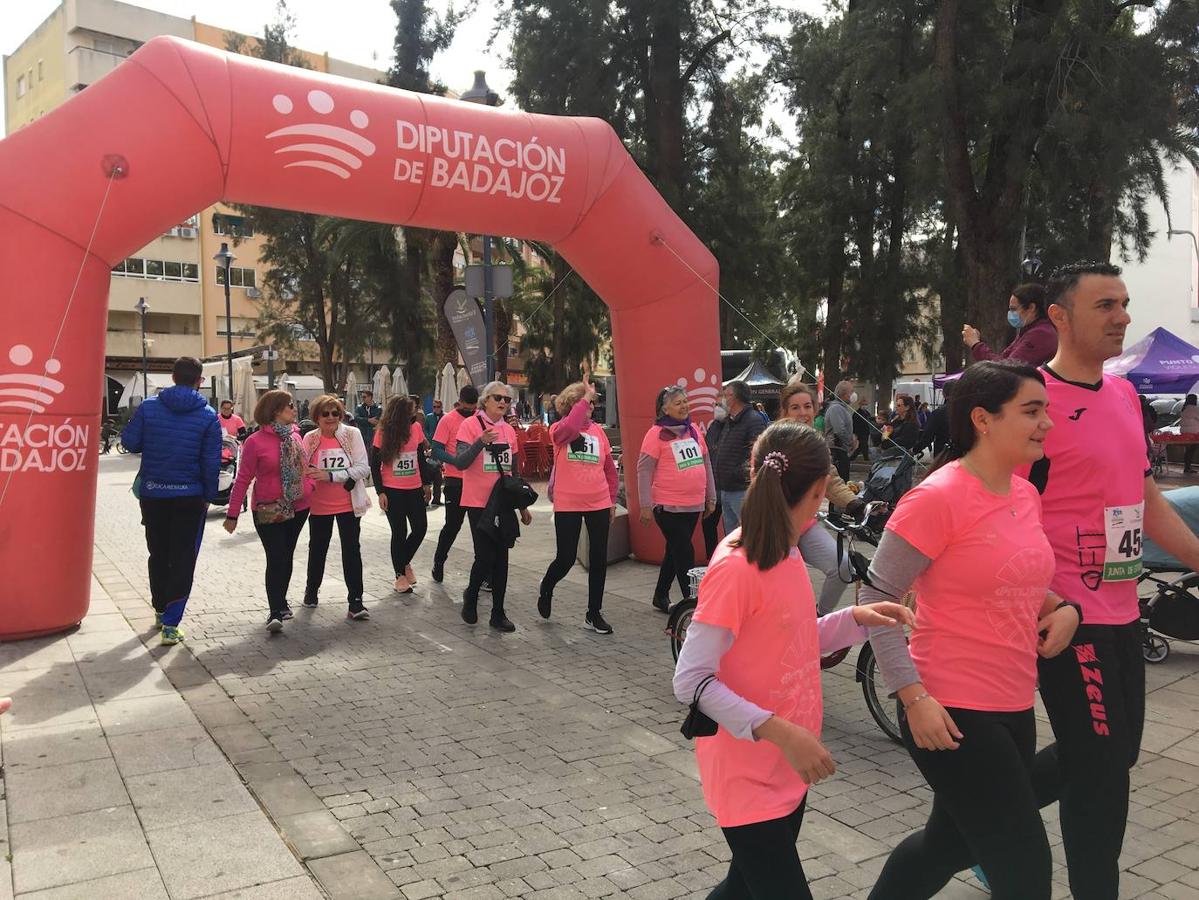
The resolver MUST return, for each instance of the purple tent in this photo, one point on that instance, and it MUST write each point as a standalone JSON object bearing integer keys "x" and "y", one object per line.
{"x": 939, "y": 381}
{"x": 1160, "y": 363}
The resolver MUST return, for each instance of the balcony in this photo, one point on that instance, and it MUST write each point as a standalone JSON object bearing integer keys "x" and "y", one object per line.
{"x": 85, "y": 66}
{"x": 181, "y": 297}
{"x": 162, "y": 346}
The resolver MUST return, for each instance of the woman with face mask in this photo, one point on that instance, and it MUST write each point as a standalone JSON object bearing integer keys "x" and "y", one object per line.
{"x": 1036, "y": 338}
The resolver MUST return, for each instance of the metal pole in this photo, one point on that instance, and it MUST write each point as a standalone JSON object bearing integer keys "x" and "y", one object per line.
{"x": 228, "y": 322}
{"x": 145, "y": 356}
{"x": 270, "y": 369}
{"x": 488, "y": 308}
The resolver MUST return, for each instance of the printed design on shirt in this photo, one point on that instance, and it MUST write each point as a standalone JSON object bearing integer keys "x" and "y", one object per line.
{"x": 1077, "y": 414}
{"x": 686, "y": 453}
{"x": 1092, "y": 683}
{"x": 1091, "y": 547}
{"x": 1023, "y": 581}
{"x": 798, "y": 697}
{"x": 588, "y": 449}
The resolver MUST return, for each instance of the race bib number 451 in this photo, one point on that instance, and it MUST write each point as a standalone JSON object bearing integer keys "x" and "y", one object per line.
{"x": 1122, "y": 526}
{"x": 405, "y": 465}
{"x": 686, "y": 453}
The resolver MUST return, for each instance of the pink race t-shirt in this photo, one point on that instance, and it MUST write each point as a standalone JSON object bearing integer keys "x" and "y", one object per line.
{"x": 580, "y": 484}
{"x": 1092, "y": 484}
{"x": 680, "y": 475}
{"x": 330, "y": 498}
{"x": 403, "y": 472}
{"x": 483, "y": 473}
{"x": 979, "y": 601}
{"x": 446, "y": 434}
{"x": 232, "y": 425}
{"x": 775, "y": 663}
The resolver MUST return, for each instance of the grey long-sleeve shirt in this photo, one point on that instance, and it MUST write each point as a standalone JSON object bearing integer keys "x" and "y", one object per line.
{"x": 893, "y": 570}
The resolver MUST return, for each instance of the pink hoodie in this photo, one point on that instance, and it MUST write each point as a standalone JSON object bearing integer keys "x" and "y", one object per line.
{"x": 260, "y": 463}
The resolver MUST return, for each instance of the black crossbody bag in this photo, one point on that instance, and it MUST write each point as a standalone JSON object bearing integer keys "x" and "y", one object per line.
{"x": 698, "y": 724}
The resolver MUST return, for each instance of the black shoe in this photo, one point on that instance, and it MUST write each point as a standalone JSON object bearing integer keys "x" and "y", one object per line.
{"x": 543, "y": 605}
{"x": 274, "y": 622}
{"x": 286, "y": 614}
{"x": 310, "y": 600}
{"x": 662, "y": 604}
{"x": 435, "y": 503}
{"x": 357, "y": 611}
{"x": 485, "y": 586}
{"x": 470, "y": 610}
{"x": 596, "y": 623}
{"x": 438, "y": 573}
{"x": 502, "y": 624}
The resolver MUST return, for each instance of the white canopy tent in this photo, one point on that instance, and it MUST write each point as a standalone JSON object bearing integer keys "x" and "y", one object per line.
{"x": 351, "y": 390}
{"x": 447, "y": 391}
{"x": 245, "y": 396}
{"x": 399, "y": 384}
{"x": 133, "y": 391}
{"x": 382, "y": 385}
{"x": 463, "y": 378}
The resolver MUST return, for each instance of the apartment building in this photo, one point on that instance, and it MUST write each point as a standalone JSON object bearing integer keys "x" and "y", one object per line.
{"x": 183, "y": 287}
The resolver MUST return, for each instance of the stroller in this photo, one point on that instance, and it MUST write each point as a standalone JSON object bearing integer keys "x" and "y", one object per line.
{"x": 230, "y": 450}
{"x": 890, "y": 477}
{"x": 1172, "y": 611}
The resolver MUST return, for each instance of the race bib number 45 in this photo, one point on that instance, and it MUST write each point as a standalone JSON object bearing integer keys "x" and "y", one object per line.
{"x": 1122, "y": 525}
{"x": 686, "y": 453}
{"x": 589, "y": 452}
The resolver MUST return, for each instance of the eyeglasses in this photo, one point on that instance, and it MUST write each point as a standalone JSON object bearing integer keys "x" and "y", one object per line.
{"x": 501, "y": 398}
{"x": 330, "y": 414}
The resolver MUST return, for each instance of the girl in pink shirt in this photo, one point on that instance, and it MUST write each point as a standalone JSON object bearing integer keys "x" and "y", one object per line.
{"x": 582, "y": 487}
{"x": 969, "y": 540}
{"x": 753, "y": 655}
{"x": 398, "y": 467}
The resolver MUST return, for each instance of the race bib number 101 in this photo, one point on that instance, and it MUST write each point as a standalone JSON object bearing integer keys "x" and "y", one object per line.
{"x": 686, "y": 453}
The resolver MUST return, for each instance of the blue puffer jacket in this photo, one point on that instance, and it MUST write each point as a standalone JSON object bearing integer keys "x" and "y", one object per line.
{"x": 179, "y": 438}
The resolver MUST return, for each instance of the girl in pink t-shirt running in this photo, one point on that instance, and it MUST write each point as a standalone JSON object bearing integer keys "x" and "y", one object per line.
{"x": 753, "y": 655}
{"x": 969, "y": 540}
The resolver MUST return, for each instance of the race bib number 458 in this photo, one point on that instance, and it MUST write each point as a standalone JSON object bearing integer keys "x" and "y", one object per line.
{"x": 686, "y": 453}
{"x": 1122, "y": 525}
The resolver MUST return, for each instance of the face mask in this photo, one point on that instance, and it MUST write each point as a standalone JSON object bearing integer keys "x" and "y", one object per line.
{"x": 721, "y": 413}
{"x": 853, "y": 398}
{"x": 1013, "y": 318}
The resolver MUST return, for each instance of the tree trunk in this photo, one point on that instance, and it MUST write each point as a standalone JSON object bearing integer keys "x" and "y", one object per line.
{"x": 834, "y": 320}
{"x": 664, "y": 100}
{"x": 445, "y": 243}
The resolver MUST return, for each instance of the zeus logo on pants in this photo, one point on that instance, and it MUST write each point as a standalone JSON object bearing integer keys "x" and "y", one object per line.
{"x": 1092, "y": 680}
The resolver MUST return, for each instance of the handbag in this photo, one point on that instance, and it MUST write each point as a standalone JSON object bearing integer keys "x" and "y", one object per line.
{"x": 272, "y": 513}
{"x": 697, "y": 723}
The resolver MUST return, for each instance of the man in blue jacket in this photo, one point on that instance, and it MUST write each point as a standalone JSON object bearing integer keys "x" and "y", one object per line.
{"x": 179, "y": 438}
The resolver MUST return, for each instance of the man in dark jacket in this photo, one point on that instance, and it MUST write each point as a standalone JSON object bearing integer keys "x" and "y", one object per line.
{"x": 935, "y": 435}
{"x": 731, "y": 467}
{"x": 431, "y": 422}
{"x": 179, "y": 438}
{"x": 366, "y": 417}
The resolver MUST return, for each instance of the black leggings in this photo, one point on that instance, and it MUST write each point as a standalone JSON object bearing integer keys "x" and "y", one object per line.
{"x": 405, "y": 510}
{"x": 454, "y": 514}
{"x": 279, "y": 541}
{"x": 677, "y": 528}
{"x": 491, "y": 565}
{"x": 320, "y": 533}
{"x": 1094, "y": 692}
{"x": 984, "y": 811}
{"x": 766, "y": 863}
{"x": 711, "y": 534}
{"x": 567, "y": 526}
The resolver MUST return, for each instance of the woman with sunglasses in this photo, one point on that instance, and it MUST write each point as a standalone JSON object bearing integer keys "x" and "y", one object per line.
{"x": 336, "y": 455}
{"x": 674, "y": 485}
{"x": 398, "y": 467}
{"x": 273, "y": 459}
{"x": 480, "y": 472}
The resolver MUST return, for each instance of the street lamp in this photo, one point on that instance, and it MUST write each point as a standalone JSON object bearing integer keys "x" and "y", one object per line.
{"x": 1190, "y": 234}
{"x": 480, "y": 93}
{"x": 143, "y": 307}
{"x": 225, "y": 259}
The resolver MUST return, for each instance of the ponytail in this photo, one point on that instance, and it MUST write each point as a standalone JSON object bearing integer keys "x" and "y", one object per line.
{"x": 788, "y": 459}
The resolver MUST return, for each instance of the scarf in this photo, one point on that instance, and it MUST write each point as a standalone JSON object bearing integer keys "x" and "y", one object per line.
{"x": 667, "y": 422}
{"x": 291, "y": 468}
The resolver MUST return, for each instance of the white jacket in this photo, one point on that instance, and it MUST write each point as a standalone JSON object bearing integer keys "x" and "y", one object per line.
{"x": 351, "y": 441}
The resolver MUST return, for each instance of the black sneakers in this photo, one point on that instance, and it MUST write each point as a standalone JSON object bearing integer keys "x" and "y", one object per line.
{"x": 485, "y": 586}
{"x": 310, "y": 600}
{"x": 438, "y": 573}
{"x": 501, "y": 623}
{"x": 470, "y": 609}
{"x": 357, "y": 611}
{"x": 286, "y": 614}
{"x": 662, "y": 604}
{"x": 596, "y": 623}
{"x": 274, "y": 623}
{"x": 544, "y": 602}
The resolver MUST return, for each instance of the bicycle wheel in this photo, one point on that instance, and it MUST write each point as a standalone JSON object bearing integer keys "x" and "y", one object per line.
{"x": 883, "y": 709}
{"x": 678, "y": 623}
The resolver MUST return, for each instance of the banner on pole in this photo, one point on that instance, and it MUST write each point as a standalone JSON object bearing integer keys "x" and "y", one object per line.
{"x": 465, "y": 316}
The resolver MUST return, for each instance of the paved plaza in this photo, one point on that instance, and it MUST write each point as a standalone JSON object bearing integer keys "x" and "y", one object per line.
{"x": 413, "y": 756}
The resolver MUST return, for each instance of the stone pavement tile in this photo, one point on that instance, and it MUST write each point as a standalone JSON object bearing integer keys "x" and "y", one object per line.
{"x": 64, "y": 790}
{"x": 6, "y": 883}
{"x": 35, "y": 653}
{"x": 44, "y": 704}
{"x": 36, "y": 748}
{"x": 354, "y": 876}
{"x": 203, "y": 858}
{"x": 315, "y": 835}
{"x": 299, "y": 888}
{"x": 193, "y": 794}
{"x": 182, "y": 747}
{"x": 137, "y": 680}
{"x": 107, "y": 652}
{"x": 144, "y": 714}
{"x": 218, "y": 713}
{"x": 287, "y": 795}
{"x": 144, "y": 884}
{"x": 96, "y": 622}
{"x": 52, "y": 852}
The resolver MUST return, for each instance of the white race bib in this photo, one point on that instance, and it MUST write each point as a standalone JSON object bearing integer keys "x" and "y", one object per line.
{"x": 590, "y": 453}
{"x": 404, "y": 465}
{"x": 1122, "y": 526}
{"x": 490, "y": 464}
{"x": 333, "y": 460}
{"x": 686, "y": 453}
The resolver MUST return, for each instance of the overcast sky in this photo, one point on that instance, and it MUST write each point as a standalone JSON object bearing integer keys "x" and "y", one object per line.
{"x": 360, "y": 31}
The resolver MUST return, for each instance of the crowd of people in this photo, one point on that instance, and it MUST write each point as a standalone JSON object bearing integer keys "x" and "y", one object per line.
{"x": 1021, "y": 563}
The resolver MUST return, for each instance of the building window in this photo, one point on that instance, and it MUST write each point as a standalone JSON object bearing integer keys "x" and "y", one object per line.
{"x": 21, "y": 87}
{"x": 233, "y": 226}
{"x": 161, "y": 270}
{"x": 40, "y": 70}
{"x": 238, "y": 277}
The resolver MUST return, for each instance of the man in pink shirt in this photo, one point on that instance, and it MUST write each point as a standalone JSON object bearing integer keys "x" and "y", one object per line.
{"x": 1099, "y": 499}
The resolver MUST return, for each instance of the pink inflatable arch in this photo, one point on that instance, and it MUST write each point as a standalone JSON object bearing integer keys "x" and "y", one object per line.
{"x": 215, "y": 126}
